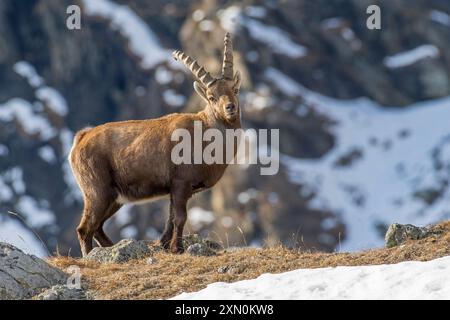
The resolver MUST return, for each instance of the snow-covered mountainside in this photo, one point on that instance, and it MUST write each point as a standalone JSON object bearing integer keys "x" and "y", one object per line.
{"x": 362, "y": 114}
{"x": 406, "y": 280}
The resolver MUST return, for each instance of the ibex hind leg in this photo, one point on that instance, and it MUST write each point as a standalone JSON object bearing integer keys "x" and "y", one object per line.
{"x": 99, "y": 235}
{"x": 93, "y": 213}
{"x": 168, "y": 231}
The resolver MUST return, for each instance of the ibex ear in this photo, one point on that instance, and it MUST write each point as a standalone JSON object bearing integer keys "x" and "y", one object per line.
{"x": 237, "y": 80}
{"x": 201, "y": 90}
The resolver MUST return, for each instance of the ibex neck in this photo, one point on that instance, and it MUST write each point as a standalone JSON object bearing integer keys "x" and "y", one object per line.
{"x": 213, "y": 120}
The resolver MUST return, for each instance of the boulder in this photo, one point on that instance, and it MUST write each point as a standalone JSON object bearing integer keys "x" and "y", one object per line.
{"x": 200, "y": 249}
{"x": 63, "y": 292}
{"x": 23, "y": 275}
{"x": 123, "y": 251}
{"x": 399, "y": 233}
{"x": 197, "y": 246}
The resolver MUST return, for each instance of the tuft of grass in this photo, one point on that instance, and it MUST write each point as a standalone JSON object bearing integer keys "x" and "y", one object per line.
{"x": 174, "y": 274}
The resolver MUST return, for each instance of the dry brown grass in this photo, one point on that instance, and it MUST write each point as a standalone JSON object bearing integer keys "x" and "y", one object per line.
{"x": 173, "y": 274}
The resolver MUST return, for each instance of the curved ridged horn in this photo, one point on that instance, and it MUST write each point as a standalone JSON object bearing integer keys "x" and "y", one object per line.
{"x": 227, "y": 65}
{"x": 195, "y": 68}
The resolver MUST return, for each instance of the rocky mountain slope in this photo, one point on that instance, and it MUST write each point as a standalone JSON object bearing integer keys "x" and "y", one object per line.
{"x": 349, "y": 165}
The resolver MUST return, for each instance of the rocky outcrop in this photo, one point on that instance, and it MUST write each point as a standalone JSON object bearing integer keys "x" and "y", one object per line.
{"x": 399, "y": 233}
{"x": 22, "y": 275}
{"x": 123, "y": 251}
{"x": 63, "y": 292}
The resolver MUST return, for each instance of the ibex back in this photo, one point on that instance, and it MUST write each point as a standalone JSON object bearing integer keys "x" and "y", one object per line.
{"x": 130, "y": 161}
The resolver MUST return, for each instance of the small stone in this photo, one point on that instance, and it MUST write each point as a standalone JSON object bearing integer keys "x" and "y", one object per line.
{"x": 200, "y": 249}
{"x": 223, "y": 269}
{"x": 232, "y": 270}
{"x": 399, "y": 233}
{"x": 214, "y": 245}
{"x": 123, "y": 251}
{"x": 191, "y": 239}
{"x": 152, "y": 260}
{"x": 62, "y": 292}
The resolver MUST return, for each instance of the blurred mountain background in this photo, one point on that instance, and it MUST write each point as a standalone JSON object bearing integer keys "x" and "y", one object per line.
{"x": 364, "y": 115}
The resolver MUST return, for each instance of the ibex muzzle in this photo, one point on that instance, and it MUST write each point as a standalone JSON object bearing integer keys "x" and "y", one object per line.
{"x": 130, "y": 161}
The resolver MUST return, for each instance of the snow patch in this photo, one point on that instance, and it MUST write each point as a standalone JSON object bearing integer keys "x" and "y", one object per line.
{"x": 410, "y": 57}
{"x": 440, "y": 17}
{"x": 53, "y": 100}
{"x": 231, "y": 19}
{"x": 27, "y": 71}
{"x": 332, "y": 23}
{"x": 406, "y": 280}
{"x": 4, "y": 150}
{"x": 31, "y": 123}
{"x": 173, "y": 99}
{"x": 47, "y": 154}
{"x": 380, "y": 186}
{"x": 199, "y": 217}
{"x": 35, "y": 213}
{"x": 13, "y": 232}
{"x": 74, "y": 193}
{"x": 142, "y": 41}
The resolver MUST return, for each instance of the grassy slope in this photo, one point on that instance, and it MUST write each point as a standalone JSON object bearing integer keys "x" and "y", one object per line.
{"x": 173, "y": 274}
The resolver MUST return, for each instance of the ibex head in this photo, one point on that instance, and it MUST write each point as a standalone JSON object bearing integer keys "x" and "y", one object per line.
{"x": 221, "y": 94}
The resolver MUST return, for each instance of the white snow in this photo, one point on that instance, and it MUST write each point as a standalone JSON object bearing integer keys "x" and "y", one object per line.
{"x": 74, "y": 193}
{"x": 6, "y": 193}
{"x": 406, "y": 280}
{"x": 123, "y": 216}
{"x": 47, "y": 154}
{"x": 142, "y": 41}
{"x": 255, "y": 11}
{"x": 31, "y": 122}
{"x": 36, "y": 214}
{"x": 13, "y": 232}
{"x": 440, "y": 17}
{"x": 278, "y": 40}
{"x": 53, "y": 99}
{"x": 172, "y": 98}
{"x": 332, "y": 23}
{"x": 206, "y": 25}
{"x": 407, "y": 58}
{"x": 198, "y": 15}
{"x": 129, "y": 232}
{"x": 247, "y": 195}
{"x": 27, "y": 71}
{"x": 15, "y": 178}
{"x": 163, "y": 75}
{"x": 379, "y": 187}
{"x": 199, "y": 217}
{"x": 4, "y": 150}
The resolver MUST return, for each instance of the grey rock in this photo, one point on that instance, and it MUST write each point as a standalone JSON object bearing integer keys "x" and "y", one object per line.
{"x": 22, "y": 275}
{"x": 200, "y": 249}
{"x": 399, "y": 233}
{"x": 230, "y": 269}
{"x": 152, "y": 260}
{"x": 123, "y": 251}
{"x": 223, "y": 269}
{"x": 62, "y": 292}
{"x": 192, "y": 239}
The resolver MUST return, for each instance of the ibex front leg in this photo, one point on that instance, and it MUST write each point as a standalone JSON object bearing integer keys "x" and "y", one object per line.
{"x": 180, "y": 194}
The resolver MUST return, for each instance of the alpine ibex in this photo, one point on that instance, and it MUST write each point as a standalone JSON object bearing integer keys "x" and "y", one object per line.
{"x": 130, "y": 161}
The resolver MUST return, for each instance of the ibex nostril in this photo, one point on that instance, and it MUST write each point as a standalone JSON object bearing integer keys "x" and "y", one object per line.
{"x": 230, "y": 107}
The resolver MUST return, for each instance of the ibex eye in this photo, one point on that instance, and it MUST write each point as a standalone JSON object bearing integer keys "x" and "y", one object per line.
{"x": 212, "y": 99}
